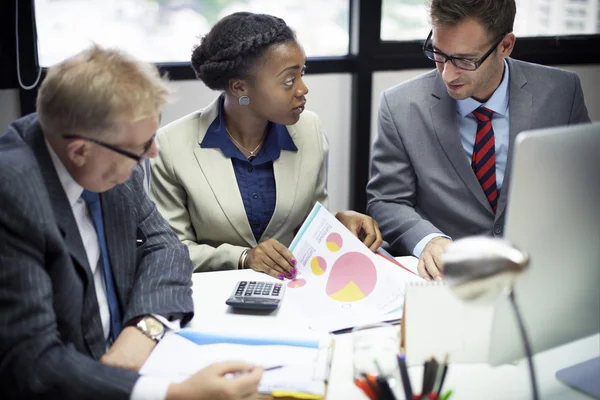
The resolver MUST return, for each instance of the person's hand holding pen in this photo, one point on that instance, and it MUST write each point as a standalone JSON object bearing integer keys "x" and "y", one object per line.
{"x": 272, "y": 258}
{"x": 212, "y": 383}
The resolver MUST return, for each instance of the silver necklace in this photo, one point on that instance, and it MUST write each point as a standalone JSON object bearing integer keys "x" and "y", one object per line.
{"x": 251, "y": 156}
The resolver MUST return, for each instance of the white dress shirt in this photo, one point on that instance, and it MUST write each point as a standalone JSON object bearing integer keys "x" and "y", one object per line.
{"x": 145, "y": 388}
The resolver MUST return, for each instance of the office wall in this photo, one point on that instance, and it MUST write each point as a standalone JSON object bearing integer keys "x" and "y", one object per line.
{"x": 589, "y": 75}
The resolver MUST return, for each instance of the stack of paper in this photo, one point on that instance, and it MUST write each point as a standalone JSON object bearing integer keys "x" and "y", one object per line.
{"x": 305, "y": 357}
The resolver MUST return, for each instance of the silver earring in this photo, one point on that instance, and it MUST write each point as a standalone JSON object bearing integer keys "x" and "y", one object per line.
{"x": 244, "y": 100}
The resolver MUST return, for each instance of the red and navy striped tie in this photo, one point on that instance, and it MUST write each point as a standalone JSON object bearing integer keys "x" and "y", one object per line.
{"x": 484, "y": 155}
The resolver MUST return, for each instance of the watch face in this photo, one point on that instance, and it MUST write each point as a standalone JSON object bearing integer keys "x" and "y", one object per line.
{"x": 155, "y": 327}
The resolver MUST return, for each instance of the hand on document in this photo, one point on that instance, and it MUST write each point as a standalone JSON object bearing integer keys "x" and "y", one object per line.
{"x": 363, "y": 227}
{"x": 273, "y": 258}
{"x": 430, "y": 264}
{"x": 217, "y": 382}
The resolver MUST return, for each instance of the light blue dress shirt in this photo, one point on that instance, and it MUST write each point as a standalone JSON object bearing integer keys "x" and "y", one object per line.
{"x": 467, "y": 127}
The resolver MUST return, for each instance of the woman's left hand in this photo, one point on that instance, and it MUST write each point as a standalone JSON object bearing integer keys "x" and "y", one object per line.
{"x": 363, "y": 227}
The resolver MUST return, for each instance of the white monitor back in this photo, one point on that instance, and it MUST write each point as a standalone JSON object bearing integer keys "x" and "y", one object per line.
{"x": 554, "y": 215}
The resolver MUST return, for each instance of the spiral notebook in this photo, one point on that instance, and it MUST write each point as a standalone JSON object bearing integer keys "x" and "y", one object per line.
{"x": 436, "y": 323}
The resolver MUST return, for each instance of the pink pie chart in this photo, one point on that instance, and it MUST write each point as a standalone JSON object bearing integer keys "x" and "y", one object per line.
{"x": 296, "y": 283}
{"x": 334, "y": 242}
{"x": 318, "y": 265}
{"x": 352, "y": 278}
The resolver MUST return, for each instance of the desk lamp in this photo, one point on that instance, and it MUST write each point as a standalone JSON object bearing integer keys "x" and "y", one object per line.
{"x": 479, "y": 269}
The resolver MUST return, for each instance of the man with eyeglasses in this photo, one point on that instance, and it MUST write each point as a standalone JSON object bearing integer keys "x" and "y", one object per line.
{"x": 91, "y": 276}
{"x": 441, "y": 159}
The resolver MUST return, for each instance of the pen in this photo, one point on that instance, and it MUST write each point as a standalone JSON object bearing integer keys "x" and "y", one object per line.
{"x": 273, "y": 367}
{"x": 405, "y": 378}
{"x": 385, "y": 391}
{"x": 238, "y": 373}
{"x": 446, "y": 395}
{"x": 366, "y": 388}
{"x": 431, "y": 376}
{"x": 425, "y": 375}
{"x": 372, "y": 383}
{"x": 444, "y": 370}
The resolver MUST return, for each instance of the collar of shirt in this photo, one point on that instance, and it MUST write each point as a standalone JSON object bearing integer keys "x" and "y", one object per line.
{"x": 72, "y": 189}
{"x": 498, "y": 103}
{"x": 278, "y": 138}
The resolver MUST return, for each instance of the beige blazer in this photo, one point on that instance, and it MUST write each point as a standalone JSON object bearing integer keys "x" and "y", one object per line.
{"x": 195, "y": 189}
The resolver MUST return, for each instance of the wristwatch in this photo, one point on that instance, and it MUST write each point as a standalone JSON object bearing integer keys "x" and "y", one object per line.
{"x": 151, "y": 327}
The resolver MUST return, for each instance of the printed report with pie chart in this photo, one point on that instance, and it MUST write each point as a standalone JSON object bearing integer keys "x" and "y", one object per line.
{"x": 341, "y": 283}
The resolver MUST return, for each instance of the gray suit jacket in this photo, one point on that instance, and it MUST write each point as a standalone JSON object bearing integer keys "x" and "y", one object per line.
{"x": 50, "y": 329}
{"x": 422, "y": 182}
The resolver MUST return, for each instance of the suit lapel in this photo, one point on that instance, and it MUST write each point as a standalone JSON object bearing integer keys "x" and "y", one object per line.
{"x": 520, "y": 103}
{"x": 62, "y": 209}
{"x": 219, "y": 174}
{"x": 443, "y": 114}
{"x": 91, "y": 323}
{"x": 287, "y": 177}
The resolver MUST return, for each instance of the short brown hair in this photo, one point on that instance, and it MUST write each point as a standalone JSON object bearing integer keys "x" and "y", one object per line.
{"x": 95, "y": 89}
{"x": 497, "y": 16}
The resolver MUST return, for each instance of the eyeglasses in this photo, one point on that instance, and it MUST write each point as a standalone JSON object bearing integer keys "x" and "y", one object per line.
{"x": 462, "y": 63}
{"x": 116, "y": 149}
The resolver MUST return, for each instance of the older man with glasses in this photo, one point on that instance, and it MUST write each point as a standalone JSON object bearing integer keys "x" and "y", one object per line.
{"x": 91, "y": 275}
{"x": 441, "y": 159}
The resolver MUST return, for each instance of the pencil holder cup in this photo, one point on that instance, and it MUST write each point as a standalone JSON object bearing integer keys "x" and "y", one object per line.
{"x": 374, "y": 350}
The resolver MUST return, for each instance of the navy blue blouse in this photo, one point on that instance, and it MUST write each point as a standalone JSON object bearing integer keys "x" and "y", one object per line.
{"x": 255, "y": 179}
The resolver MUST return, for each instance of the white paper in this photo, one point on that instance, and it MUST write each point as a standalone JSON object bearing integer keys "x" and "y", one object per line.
{"x": 305, "y": 369}
{"x": 341, "y": 283}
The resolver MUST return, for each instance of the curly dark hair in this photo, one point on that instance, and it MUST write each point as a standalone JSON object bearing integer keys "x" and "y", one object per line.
{"x": 234, "y": 45}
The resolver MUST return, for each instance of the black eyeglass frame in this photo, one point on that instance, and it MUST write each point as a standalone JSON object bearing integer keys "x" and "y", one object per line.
{"x": 427, "y": 50}
{"x": 117, "y": 149}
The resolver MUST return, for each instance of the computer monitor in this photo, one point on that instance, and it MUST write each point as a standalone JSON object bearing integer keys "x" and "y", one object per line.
{"x": 553, "y": 214}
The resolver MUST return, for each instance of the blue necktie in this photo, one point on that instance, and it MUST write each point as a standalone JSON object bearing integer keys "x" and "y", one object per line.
{"x": 93, "y": 202}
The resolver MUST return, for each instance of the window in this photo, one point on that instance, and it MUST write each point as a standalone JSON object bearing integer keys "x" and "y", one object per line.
{"x": 166, "y": 30}
{"x": 404, "y": 20}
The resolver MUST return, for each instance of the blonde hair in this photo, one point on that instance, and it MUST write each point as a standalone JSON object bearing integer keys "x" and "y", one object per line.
{"x": 96, "y": 89}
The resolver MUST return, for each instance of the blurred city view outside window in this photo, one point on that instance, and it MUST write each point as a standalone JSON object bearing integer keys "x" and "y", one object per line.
{"x": 409, "y": 20}
{"x": 165, "y": 31}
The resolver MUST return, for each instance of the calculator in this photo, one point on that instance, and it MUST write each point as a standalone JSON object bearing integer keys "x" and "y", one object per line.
{"x": 256, "y": 295}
